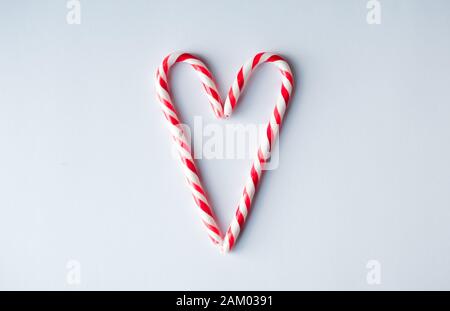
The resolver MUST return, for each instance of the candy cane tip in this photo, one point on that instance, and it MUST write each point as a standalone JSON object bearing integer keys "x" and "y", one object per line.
{"x": 224, "y": 247}
{"x": 226, "y": 112}
{"x": 223, "y": 250}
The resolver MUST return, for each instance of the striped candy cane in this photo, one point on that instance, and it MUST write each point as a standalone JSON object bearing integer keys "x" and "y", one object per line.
{"x": 265, "y": 149}
{"x": 180, "y": 140}
{"x": 183, "y": 147}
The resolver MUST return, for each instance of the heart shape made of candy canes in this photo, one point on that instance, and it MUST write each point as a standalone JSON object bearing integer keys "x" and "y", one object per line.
{"x": 222, "y": 110}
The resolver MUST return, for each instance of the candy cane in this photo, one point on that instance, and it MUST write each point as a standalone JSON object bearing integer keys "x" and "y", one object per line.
{"x": 185, "y": 154}
{"x": 265, "y": 149}
{"x": 183, "y": 147}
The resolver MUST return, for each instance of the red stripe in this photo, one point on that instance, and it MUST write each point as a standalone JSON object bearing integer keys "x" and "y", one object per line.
{"x": 256, "y": 59}
{"x": 203, "y": 70}
{"x": 288, "y": 76}
{"x": 212, "y": 92}
{"x": 247, "y": 199}
{"x": 230, "y": 238}
{"x": 184, "y": 146}
{"x": 212, "y": 228}
{"x": 166, "y": 65}
{"x": 232, "y": 99}
{"x": 197, "y": 187}
{"x": 240, "y": 79}
{"x": 190, "y": 165}
{"x": 285, "y": 94}
{"x": 163, "y": 84}
{"x": 277, "y": 115}
{"x": 203, "y": 206}
{"x": 274, "y": 58}
{"x": 184, "y": 57}
{"x": 261, "y": 156}
{"x": 269, "y": 135}
{"x": 239, "y": 217}
{"x": 254, "y": 175}
{"x": 171, "y": 119}
{"x": 167, "y": 104}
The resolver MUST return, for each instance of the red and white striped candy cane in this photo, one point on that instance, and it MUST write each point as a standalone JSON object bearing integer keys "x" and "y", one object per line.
{"x": 180, "y": 140}
{"x": 264, "y": 150}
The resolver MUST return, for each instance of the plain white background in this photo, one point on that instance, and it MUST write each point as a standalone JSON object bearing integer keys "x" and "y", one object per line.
{"x": 86, "y": 173}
